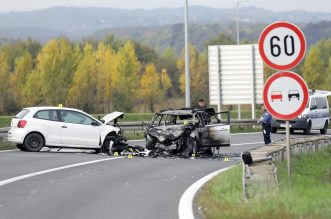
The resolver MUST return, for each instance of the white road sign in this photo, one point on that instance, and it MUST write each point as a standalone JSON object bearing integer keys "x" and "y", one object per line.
{"x": 285, "y": 95}
{"x": 282, "y": 45}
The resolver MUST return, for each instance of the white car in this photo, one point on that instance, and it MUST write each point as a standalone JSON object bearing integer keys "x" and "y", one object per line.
{"x": 36, "y": 127}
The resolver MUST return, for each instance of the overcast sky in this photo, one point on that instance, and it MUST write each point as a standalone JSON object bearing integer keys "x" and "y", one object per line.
{"x": 275, "y": 5}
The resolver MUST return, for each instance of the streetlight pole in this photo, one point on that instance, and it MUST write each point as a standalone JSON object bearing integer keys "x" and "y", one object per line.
{"x": 187, "y": 61}
{"x": 238, "y": 42}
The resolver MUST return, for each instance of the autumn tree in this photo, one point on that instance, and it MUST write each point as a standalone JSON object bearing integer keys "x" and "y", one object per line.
{"x": 125, "y": 78}
{"x": 5, "y": 92}
{"x": 198, "y": 74}
{"x": 153, "y": 86}
{"x": 105, "y": 64}
{"x": 56, "y": 63}
{"x": 23, "y": 67}
{"x": 83, "y": 90}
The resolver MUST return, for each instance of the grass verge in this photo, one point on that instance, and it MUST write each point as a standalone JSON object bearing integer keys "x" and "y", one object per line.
{"x": 4, "y": 145}
{"x": 308, "y": 197}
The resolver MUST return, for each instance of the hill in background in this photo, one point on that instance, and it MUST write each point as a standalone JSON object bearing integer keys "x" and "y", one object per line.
{"x": 158, "y": 28}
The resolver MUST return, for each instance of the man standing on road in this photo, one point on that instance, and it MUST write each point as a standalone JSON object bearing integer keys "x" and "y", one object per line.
{"x": 266, "y": 125}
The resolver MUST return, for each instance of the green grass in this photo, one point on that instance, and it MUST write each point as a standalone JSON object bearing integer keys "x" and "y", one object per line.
{"x": 5, "y": 121}
{"x": 308, "y": 197}
{"x": 4, "y": 145}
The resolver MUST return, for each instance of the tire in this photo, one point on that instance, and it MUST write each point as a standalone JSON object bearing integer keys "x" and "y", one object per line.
{"x": 105, "y": 146}
{"x": 325, "y": 129}
{"x": 273, "y": 129}
{"x": 21, "y": 147}
{"x": 34, "y": 142}
{"x": 306, "y": 131}
{"x": 292, "y": 131}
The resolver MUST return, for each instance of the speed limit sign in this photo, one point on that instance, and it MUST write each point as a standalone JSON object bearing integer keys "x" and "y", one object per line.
{"x": 282, "y": 45}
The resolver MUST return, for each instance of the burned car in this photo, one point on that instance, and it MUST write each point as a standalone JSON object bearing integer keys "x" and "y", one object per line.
{"x": 187, "y": 131}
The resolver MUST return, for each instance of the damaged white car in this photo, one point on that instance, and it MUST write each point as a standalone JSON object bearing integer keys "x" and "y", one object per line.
{"x": 187, "y": 131}
{"x": 36, "y": 127}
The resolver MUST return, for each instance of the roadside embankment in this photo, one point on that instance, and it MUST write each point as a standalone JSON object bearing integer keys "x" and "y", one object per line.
{"x": 309, "y": 195}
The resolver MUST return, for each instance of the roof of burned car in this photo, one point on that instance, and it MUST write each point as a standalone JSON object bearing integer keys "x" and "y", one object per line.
{"x": 183, "y": 111}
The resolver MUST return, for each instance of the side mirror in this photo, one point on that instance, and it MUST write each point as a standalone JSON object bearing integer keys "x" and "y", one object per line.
{"x": 94, "y": 123}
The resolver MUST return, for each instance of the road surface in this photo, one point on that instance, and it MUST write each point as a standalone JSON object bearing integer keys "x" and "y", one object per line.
{"x": 113, "y": 188}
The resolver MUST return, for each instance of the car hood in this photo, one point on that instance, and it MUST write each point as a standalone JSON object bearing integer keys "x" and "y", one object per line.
{"x": 112, "y": 116}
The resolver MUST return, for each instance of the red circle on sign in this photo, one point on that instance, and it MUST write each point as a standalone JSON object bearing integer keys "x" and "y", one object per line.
{"x": 302, "y": 84}
{"x": 299, "y": 33}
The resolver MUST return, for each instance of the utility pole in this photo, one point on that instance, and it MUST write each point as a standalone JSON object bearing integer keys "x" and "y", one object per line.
{"x": 187, "y": 61}
{"x": 238, "y": 42}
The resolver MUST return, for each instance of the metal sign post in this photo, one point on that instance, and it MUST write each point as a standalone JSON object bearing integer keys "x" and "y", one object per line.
{"x": 282, "y": 46}
{"x": 288, "y": 150}
{"x": 285, "y": 97}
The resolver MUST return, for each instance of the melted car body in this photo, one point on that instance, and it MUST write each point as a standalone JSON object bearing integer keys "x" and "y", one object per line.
{"x": 187, "y": 130}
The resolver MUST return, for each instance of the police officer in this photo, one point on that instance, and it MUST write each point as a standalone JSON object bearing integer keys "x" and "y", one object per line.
{"x": 266, "y": 125}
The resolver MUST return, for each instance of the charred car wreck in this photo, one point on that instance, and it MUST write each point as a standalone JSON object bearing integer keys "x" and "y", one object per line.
{"x": 187, "y": 131}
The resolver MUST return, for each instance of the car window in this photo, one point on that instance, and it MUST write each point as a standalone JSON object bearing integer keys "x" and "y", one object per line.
{"x": 321, "y": 103}
{"x": 156, "y": 120}
{"x": 171, "y": 120}
{"x": 312, "y": 102}
{"x": 21, "y": 114}
{"x": 75, "y": 117}
{"x": 47, "y": 115}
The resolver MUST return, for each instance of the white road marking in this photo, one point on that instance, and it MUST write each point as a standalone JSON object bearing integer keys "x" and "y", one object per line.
{"x": 8, "y": 150}
{"x": 248, "y": 133}
{"x": 26, "y": 176}
{"x": 185, "y": 208}
{"x": 261, "y": 142}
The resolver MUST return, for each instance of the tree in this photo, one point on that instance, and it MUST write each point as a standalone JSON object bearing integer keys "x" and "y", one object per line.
{"x": 313, "y": 68}
{"x": 150, "y": 90}
{"x": 31, "y": 95}
{"x": 125, "y": 78}
{"x": 105, "y": 59}
{"x": 23, "y": 67}
{"x": 198, "y": 72}
{"x": 5, "y": 92}
{"x": 83, "y": 91}
{"x": 56, "y": 63}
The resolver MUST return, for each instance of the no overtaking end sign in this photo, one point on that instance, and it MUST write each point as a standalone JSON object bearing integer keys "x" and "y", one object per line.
{"x": 282, "y": 45}
{"x": 285, "y": 95}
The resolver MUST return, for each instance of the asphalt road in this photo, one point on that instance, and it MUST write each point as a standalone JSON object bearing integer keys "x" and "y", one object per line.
{"x": 121, "y": 188}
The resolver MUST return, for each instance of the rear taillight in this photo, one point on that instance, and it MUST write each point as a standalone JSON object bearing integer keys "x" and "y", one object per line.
{"x": 21, "y": 123}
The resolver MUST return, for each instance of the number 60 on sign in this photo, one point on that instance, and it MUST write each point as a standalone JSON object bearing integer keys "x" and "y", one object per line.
{"x": 282, "y": 45}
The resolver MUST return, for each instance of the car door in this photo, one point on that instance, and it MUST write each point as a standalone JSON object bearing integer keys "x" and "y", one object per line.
{"x": 48, "y": 122}
{"x": 77, "y": 130}
{"x": 213, "y": 133}
{"x": 313, "y": 113}
{"x": 321, "y": 112}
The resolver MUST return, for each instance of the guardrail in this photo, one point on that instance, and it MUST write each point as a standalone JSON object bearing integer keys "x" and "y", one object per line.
{"x": 140, "y": 126}
{"x": 259, "y": 173}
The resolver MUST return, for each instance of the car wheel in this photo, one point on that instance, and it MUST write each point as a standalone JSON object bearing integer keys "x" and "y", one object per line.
{"x": 34, "y": 142}
{"x": 105, "y": 148}
{"x": 325, "y": 129}
{"x": 292, "y": 131}
{"x": 273, "y": 129}
{"x": 21, "y": 147}
{"x": 306, "y": 131}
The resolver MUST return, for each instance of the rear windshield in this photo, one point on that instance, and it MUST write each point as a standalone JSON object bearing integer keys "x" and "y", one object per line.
{"x": 21, "y": 114}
